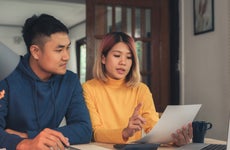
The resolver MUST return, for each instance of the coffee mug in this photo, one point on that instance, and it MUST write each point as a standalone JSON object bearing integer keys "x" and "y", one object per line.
{"x": 199, "y": 130}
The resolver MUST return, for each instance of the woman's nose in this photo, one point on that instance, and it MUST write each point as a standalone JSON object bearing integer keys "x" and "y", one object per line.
{"x": 123, "y": 61}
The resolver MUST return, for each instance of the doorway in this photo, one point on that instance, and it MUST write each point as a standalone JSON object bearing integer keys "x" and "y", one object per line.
{"x": 143, "y": 21}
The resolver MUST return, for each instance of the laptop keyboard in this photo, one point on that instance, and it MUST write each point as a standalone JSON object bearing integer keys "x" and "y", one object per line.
{"x": 215, "y": 147}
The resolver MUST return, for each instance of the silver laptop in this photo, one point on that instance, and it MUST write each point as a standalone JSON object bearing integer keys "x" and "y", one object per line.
{"x": 204, "y": 146}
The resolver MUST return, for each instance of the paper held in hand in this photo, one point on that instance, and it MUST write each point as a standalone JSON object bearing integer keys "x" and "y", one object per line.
{"x": 173, "y": 118}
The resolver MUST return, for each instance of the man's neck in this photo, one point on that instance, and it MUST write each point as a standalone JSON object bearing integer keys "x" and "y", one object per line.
{"x": 41, "y": 74}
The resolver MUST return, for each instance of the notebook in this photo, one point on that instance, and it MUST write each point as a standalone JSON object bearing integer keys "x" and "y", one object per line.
{"x": 204, "y": 146}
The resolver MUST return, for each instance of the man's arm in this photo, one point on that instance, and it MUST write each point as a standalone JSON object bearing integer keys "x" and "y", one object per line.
{"x": 2, "y": 93}
{"x": 46, "y": 139}
{"x": 78, "y": 128}
{"x": 21, "y": 134}
{"x": 7, "y": 140}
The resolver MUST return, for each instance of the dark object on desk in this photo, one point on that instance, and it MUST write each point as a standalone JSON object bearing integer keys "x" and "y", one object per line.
{"x": 136, "y": 146}
{"x": 199, "y": 130}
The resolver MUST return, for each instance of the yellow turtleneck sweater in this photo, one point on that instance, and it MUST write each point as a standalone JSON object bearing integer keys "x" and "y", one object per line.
{"x": 111, "y": 104}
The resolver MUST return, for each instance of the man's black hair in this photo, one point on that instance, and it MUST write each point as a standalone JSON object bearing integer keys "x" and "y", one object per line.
{"x": 40, "y": 26}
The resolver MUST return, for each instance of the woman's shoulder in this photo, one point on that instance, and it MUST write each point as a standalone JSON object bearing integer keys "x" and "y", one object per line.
{"x": 142, "y": 88}
{"x": 142, "y": 85}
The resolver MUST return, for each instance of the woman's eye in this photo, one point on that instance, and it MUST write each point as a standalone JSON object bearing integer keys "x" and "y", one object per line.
{"x": 116, "y": 55}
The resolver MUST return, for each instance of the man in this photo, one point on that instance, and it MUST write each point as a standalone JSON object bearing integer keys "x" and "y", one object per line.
{"x": 40, "y": 92}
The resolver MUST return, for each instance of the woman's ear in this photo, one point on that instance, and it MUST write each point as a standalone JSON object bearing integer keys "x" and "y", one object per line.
{"x": 35, "y": 50}
{"x": 103, "y": 59}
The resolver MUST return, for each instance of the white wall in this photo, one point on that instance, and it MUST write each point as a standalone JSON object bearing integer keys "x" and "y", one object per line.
{"x": 12, "y": 37}
{"x": 205, "y": 67}
{"x": 76, "y": 33}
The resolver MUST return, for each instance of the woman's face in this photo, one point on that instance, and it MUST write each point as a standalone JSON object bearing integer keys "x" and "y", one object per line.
{"x": 118, "y": 61}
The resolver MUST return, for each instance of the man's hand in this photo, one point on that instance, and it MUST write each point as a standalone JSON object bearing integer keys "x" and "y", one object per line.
{"x": 46, "y": 140}
{"x": 183, "y": 136}
{"x": 135, "y": 124}
{"x": 2, "y": 93}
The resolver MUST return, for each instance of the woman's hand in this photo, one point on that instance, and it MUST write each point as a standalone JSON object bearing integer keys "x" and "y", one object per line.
{"x": 135, "y": 124}
{"x": 183, "y": 136}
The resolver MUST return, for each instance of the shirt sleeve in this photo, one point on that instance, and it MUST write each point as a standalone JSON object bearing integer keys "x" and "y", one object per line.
{"x": 148, "y": 108}
{"x": 8, "y": 141}
{"x": 78, "y": 128}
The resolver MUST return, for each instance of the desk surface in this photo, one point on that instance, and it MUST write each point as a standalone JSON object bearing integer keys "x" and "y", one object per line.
{"x": 103, "y": 146}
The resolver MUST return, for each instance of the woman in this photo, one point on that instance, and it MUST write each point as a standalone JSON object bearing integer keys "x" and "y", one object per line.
{"x": 121, "y": 106}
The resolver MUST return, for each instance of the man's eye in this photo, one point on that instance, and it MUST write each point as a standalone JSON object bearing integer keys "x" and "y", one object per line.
{"x": 59, "y": 50}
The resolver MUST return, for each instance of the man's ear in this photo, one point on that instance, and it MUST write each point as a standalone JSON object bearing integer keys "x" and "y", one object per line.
{"x": 35, "y": 51}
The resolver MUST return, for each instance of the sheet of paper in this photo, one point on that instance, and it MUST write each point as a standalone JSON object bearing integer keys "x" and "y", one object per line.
{"x": 173, "y": 118}
{"x": 89, "y": 146}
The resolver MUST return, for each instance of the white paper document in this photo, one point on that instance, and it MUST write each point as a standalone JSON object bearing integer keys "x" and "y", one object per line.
{"x": 173, "y": 118}
{"x": 89, "y": 146}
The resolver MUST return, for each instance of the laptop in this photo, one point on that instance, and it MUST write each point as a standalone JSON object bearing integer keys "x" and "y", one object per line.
{"x": 205, "y": 146}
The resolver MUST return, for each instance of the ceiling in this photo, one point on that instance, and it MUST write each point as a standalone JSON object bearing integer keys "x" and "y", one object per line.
{"x": 15, "y": 12}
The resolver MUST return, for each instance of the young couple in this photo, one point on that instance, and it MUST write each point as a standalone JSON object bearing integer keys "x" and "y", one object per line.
{"x": 40, "y": 92}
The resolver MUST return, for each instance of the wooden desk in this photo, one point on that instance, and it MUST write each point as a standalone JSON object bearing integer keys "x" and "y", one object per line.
{"x": 104, "y": 146}
{"x": 94, "y": 146}
{"x": 211, "y": 141}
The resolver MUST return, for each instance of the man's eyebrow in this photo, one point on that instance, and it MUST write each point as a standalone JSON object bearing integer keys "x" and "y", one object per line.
{"x": 62, "y": 46}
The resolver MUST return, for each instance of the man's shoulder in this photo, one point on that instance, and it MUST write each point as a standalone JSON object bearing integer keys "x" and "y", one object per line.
{"x": 68, "y": 78}
{"x": 70, "y": 74}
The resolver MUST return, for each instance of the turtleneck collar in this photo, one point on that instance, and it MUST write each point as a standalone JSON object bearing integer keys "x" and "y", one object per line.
{"x": 114, "y": 82}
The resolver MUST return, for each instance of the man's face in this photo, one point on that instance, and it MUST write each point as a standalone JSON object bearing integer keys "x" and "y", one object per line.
{"x": 52, "y": 57}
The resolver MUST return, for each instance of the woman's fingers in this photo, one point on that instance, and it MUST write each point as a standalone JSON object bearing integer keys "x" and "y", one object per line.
{"x": 136, "y": 110}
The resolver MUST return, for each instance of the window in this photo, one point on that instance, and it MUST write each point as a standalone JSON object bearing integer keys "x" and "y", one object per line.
{"x": 81, "y": 59}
